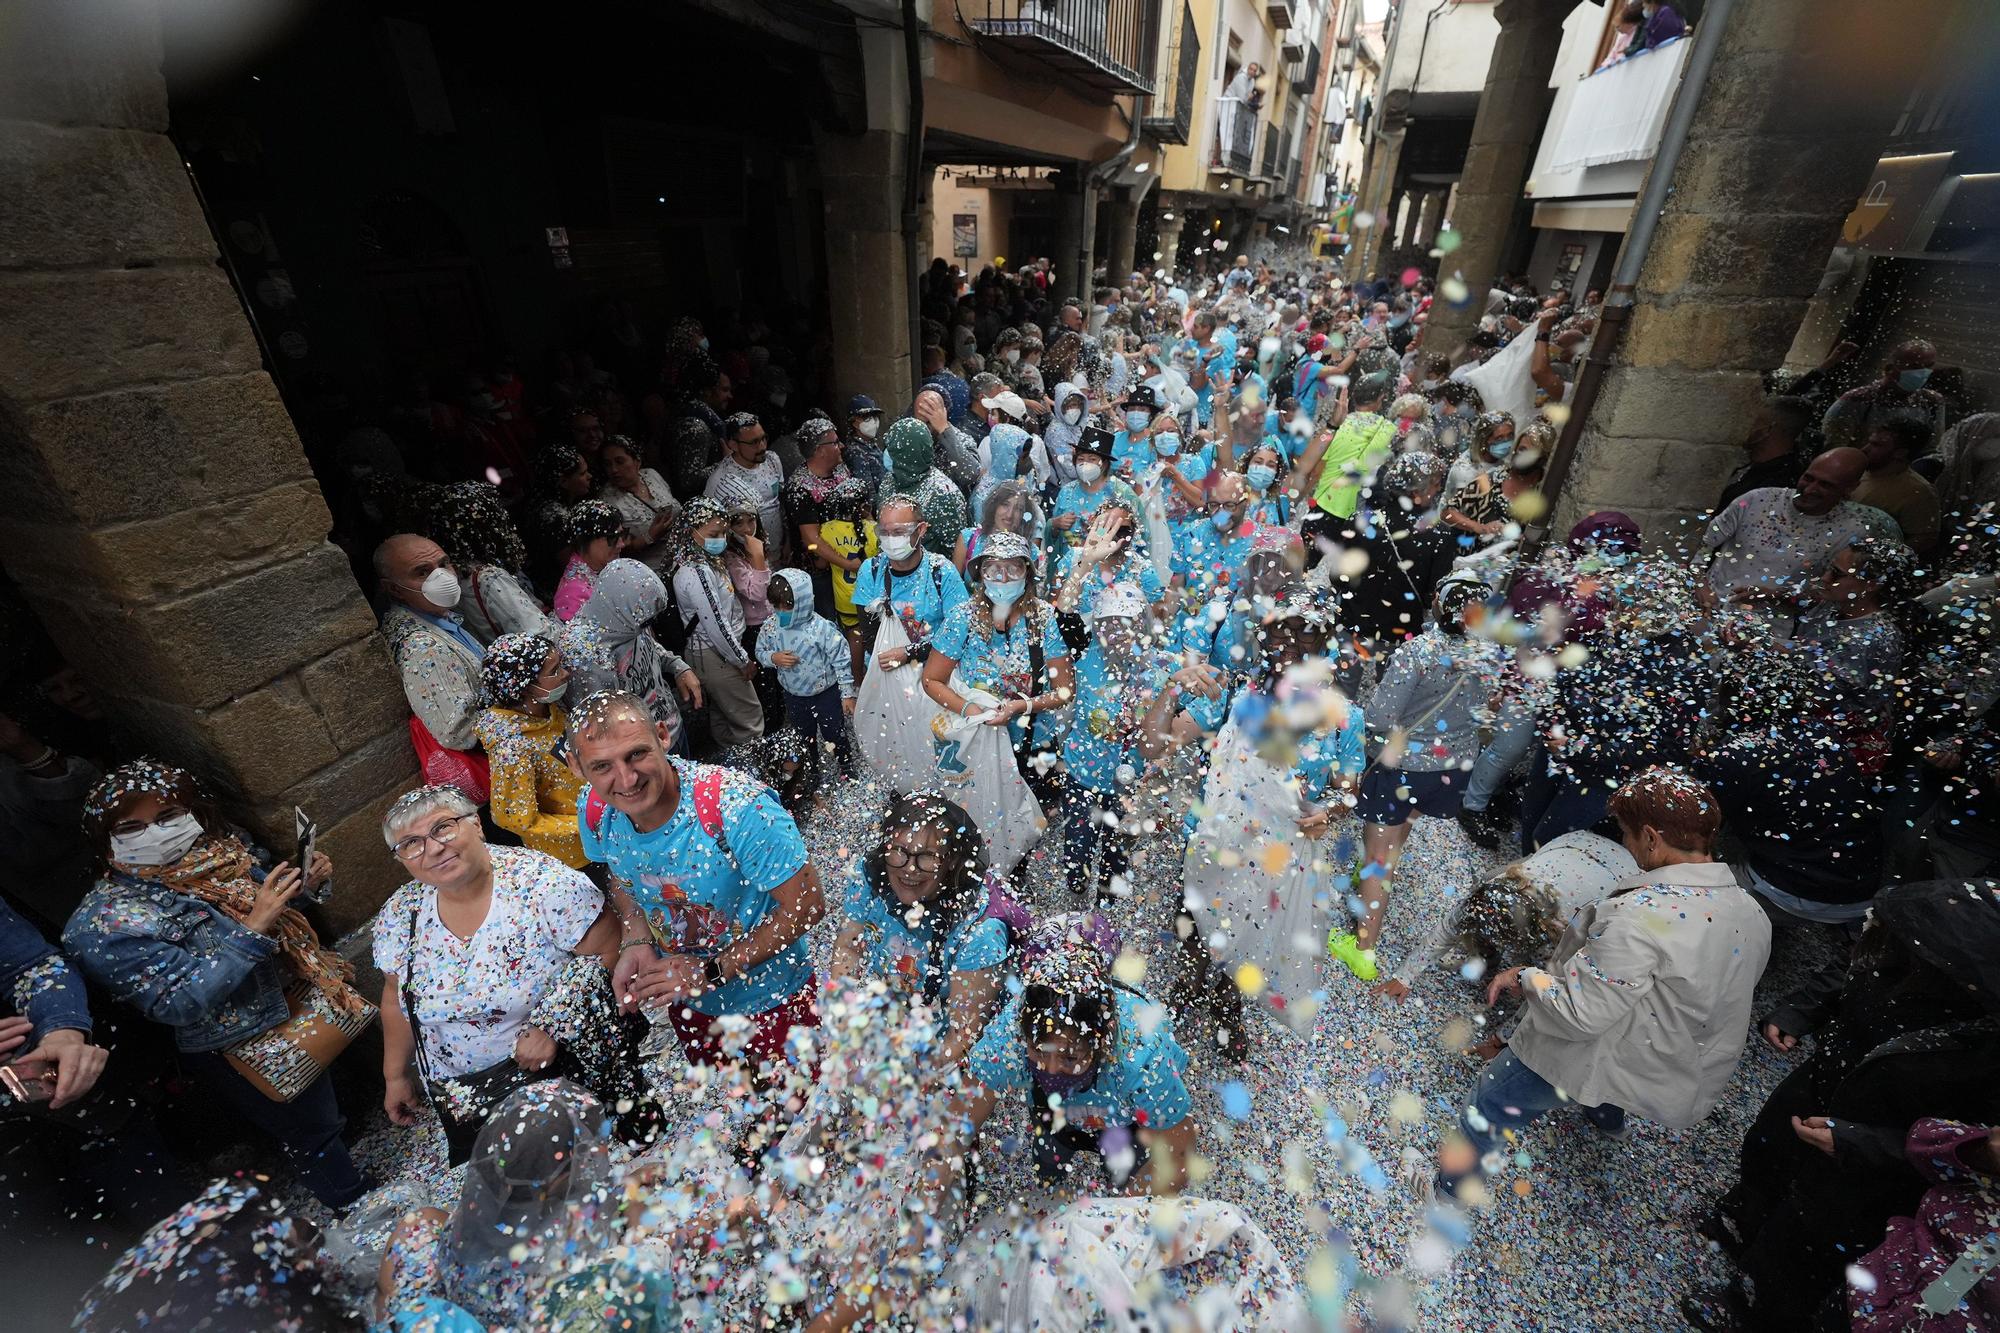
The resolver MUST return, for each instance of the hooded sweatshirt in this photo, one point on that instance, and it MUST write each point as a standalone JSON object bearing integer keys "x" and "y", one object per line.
{"x": 819, "y": 646}
{"x": 914, "y": 473}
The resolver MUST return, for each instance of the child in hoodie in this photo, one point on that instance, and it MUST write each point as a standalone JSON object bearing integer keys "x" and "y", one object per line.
{"x": 810, "y": 655}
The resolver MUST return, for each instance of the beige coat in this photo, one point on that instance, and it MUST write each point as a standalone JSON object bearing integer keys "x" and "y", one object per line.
{"x": 1646, "y": 1002}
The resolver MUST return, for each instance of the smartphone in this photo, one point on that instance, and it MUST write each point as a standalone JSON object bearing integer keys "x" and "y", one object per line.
{"x": 34, "y": 1082}
{"x": 307, "y": 834}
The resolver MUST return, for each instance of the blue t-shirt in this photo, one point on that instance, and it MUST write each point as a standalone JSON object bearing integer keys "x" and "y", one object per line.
{"x": 1221, "y": 356}
{"x": 1073, "y": 499}
{"x": 1214, "y": 629}
{"x": 1322, "y": 755}
{"x": 1137, "y": 569}
{"x": 1139, "y": 1085}
{"x": 1203, "y": 556}
{"x": 697, "y": 902}
{"x": 1104, "y": 731}
{"x": 998, "y": 662}
{"x": 922, "y": 598}
{"x": 901, "y": 953}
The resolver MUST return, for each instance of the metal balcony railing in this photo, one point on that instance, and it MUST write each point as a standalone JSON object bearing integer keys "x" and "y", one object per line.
{"x": 1235, "y": 136}
{"x": 1270, "y": 170}
{"x": 1105, "y": 44}
{"x": 1177, "y": 102}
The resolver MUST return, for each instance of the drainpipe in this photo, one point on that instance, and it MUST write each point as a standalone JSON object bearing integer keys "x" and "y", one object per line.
{"x": 1631, "y": 258}
{"x": 913, "y": 185}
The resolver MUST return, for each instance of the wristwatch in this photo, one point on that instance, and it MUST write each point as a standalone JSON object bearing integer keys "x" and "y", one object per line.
{"x": 711, "y": 973}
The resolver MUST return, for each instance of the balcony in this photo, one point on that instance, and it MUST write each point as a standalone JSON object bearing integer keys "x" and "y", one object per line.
{"x": 1304, "y": 74}
{"x": 1618, "y": 114}
{"x": 1106, "y": 45}
{"x": 1177, "y": 102}
{"x": 1235, "y": 137}
{"x": 1270, "y": 171}
{"x": 1281, "y": 13}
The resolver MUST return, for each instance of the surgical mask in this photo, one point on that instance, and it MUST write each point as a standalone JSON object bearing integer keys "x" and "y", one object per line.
{"x": 1004, "y": 592}
{"x": 1166, "y": 446}
{"x": 1909, "y": 381}
{"x": 703, "y": 344}
{"x": 888, "y": 463}
{"x": 1223, "y": 519}
{"x": 554, "y": 695}
{"x": 898, "y": 548}
{"x": 786, "y": 619}
{"x": 1260, "y": 476}
{"x": 1064, "y": 1085}
{"x": 715, "y": 545}
{"x": 440, "y": 587}
{"x": 870, "y": 427}
{"x": 1138, "y": 419}
{"x": 1010, "y": 356}
{"x": 1500, "y": 448}
{"x": 1432, "y": 382}
{"x": 1088, "y": 473}
{"x": 1073, "y": 415}
{"x": 160, "y": 844}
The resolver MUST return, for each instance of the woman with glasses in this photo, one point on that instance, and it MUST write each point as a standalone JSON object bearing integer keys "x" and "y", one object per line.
{"x": 916, "y": 918}
{"x": 196, "y": 929}
{"x": 496, "y": 966}
{"x": 1097, "y": 1076}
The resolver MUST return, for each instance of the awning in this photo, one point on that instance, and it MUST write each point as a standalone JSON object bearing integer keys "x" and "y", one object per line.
{"x": 1613, "y": 216}
{"x": 1617, "y": 114}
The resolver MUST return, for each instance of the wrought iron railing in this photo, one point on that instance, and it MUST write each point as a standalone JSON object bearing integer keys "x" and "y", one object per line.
{"x": 1235, "y": 135}
{"x": 1176, "y": 105}
{"x": 1270, "y": 170}
{"x": 1108, "y": 44}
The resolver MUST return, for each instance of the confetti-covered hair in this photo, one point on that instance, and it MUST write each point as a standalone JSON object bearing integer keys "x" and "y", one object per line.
{"x": 812, "y": 428}
{"x": 1885, "y": 562}
{"x": 116, "y": 790}
{"x": 1686, "y": 813}
{"x": 233, "y": 1258}
{"x": 1067, "y": 987}
{"x": 468, "y": 520}
{"x": 412, "y": 806}
{"x": 513, "y": 661}
{"x": 589, "y": 520}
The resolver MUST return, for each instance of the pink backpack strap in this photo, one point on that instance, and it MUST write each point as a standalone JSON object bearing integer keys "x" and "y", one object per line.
{"x": 593, "y": 811}
{"x": 708, "y": 802}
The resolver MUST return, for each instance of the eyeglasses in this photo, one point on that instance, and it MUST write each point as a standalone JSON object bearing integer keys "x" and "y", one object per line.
{"x": 928, "y": 863}
{"x": 444, "y": 833}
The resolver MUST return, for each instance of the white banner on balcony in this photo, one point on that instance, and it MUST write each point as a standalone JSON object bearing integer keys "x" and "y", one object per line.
{"x": 1617, "y": 114}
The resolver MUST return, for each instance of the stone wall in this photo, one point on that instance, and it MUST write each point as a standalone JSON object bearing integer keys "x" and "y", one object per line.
{"x": 1798, "y": 107}
{"x": 160, "y": 515}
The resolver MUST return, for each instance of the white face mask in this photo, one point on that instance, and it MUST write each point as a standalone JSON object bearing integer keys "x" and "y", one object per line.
{"x": 159, "y": 844}
{"x": 898, "y": 547}
{"x": 1088, "y": 473}
{"x": 553, "y": 696}
{"x": 440, "y": 587}
{"x": 870, "y": 427}
{"x": 1072, "y": 415}
{"x": 1010, "y": 356}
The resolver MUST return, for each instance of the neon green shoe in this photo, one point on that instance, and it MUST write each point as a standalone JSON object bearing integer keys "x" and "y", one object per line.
{"x": 1342, "y": 945}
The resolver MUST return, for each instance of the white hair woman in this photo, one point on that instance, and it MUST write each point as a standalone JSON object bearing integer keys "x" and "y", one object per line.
{"x": 496, "y": 966}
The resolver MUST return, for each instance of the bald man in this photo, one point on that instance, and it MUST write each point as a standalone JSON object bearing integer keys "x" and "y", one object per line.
{"x": 1769, "y": 544}
{"x": 436, "y": 655}
{"x": 1901, "y": 391}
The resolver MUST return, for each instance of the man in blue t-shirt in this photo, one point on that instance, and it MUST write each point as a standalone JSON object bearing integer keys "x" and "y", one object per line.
{"x": 920, "y": 587}
{"x": 710, "y": 880}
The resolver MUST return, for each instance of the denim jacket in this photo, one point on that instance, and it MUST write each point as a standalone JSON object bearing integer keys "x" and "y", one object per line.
{"x": 36, "y": 982}
{"x": 179, "y": 961}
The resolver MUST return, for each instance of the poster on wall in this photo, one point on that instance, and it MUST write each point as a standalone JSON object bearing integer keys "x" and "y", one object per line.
{"x": 1569, "y": 265}
{"x": 964, "y": 235}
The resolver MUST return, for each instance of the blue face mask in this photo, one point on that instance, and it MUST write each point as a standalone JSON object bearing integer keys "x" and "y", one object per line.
{"x": 1260, "y": 476}
{"x": 1137, "y": 420}
{"x": 888, "y": 463}
{"x": 1500, "y": 448}
{"x": 1166, "y": 446}
{"x": 1909, "y": 381}
{"x": 1223, "y": 520}
{"x": 786, "y": 619}
{"x": 715, "y": 545}
{"x": 1004, "y": 592}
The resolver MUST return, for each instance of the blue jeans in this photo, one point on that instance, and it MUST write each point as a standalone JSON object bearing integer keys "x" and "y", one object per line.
{"x": 307, "y": 1127}
{"x": 1497, "y": 760}
{"x": 819, "y": 717}
{"x": 1510, "y": 1096}
{"x": 1088, "y": 841}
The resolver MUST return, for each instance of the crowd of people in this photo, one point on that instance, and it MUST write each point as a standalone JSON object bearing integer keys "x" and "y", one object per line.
{"x": 1123, "y": 662}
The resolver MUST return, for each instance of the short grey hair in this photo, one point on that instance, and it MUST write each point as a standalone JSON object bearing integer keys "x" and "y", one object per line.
{"x": 604, "y": 708}
{"x": 424, "y": 801}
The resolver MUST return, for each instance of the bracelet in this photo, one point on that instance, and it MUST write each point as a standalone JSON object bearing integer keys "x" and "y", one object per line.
{"x": 632, "y": 944}
{"x": 48, "y": 753}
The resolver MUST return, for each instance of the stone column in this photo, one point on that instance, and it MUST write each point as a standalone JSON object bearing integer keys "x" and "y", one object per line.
{"x": 161, "y": 517}
{"x": 1512, "y": 109}
{"x": 1125, "y": 227}
{"x": 1378, "y": 179}
{"x": 1797, "y": 110}
{"x": 867, "y": 268}
{"x": 1433, "y": 218}
{"x": 1168, "y": 243}
{"x": 1076, "y": 233}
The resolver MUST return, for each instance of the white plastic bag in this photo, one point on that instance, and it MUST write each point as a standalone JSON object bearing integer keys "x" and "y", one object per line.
{"x": 1087, "y": 1266}
{"x": 892, "y": 716}
{"x": 1251, "y": 877}
{"x": 1159, "y": 534}
{"x": 974, "y": 765}
{"x": 1505, "y": 383}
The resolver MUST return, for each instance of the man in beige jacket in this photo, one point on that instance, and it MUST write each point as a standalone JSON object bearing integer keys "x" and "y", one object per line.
{"x": 1645, "y": 1005}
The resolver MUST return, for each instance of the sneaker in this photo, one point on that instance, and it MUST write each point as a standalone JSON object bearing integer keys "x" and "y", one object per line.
{"x": 1342, "y": 945}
